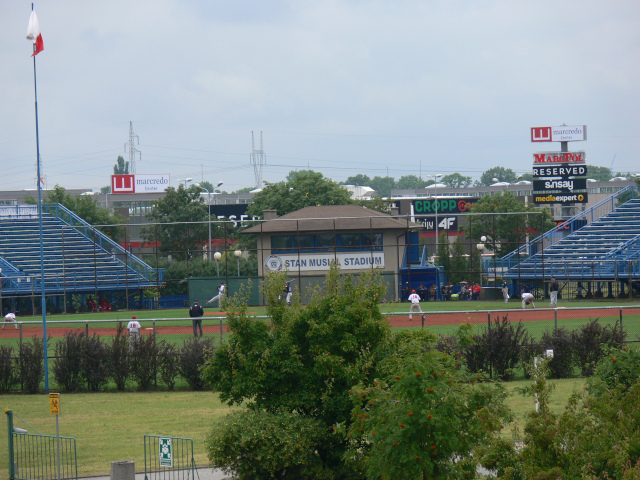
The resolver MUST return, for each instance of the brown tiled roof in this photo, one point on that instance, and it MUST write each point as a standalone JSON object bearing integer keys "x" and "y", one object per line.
{"x": 331, "y": 217}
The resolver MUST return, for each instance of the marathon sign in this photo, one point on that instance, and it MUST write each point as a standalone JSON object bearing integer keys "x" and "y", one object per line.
{"x": 559, "y": 186}
{"x": 139, "y": 183}
{"x": 563, "y": 172}
{"x": 542, "y": 158}
{"x": 563, "y": 133}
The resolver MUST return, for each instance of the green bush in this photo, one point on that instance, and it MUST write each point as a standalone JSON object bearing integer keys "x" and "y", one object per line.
{"x": 255, "y": 444}
{"x": 168, "y": 367}
{"x": 192, "y": 359}
{"x": 8, "y": 374}
{"x": 618, "y": 368}
{"x": 95, "y": 363}
{"x": 67, "y": 364}
{"x": 498, "y": 349}
{"x": 144, "y": 362}
{"x": 591, "y": 341}
{"x": 118, "y": 353}
{"x": 559, "y": 340}
{"x": 31, "y": 365}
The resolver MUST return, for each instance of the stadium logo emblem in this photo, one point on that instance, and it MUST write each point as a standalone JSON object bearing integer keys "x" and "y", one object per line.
{"x": 273, "y": 263}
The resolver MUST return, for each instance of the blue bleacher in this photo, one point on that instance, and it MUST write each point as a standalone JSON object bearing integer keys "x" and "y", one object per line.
{"x": 606, "y": 248}
{"x": 73, "y": 261}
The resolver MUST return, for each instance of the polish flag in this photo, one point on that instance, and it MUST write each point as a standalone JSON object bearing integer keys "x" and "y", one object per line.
{"x": 33, "y": 33}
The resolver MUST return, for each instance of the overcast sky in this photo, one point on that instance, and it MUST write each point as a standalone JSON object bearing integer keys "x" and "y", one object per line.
{"x": 341, "y": 87}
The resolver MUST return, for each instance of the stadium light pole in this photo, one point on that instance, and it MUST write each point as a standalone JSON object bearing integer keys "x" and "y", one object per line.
{"x": 480, "y": 247}
{"x": 237, "y": 253}
{"x": 218, "y": 256}
{"x": 208, "y": 210}
{"x": 218, "y": 185}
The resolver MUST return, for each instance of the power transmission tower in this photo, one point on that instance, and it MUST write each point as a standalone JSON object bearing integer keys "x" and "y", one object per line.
{"x": 258, "y": 159}
{"x": 132, "y": 149}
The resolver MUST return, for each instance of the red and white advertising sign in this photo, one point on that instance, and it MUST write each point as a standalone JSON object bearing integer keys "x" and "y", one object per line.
{"x": 559, "y": 157}
{"x": 541, "y": 134}
{"x": 123, "y": 184}
{"x": 139, "y": 183}
{"x": 562, "y": 133}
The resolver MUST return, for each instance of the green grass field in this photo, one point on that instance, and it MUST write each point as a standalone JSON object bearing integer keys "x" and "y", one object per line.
{"x": 111, "y": 426}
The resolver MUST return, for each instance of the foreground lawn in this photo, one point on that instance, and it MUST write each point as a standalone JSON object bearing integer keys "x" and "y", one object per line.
{"x": 111, "y": 426}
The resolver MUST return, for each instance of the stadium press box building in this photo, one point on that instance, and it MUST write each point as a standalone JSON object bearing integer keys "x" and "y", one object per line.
{"x": 306, "y": 242}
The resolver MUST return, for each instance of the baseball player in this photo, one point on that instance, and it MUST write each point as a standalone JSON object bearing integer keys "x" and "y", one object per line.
{"x": 10, "y": 318}
{"x": 414, "y": 298}
{"x": 134, "y": 332}
{"x": 527, "y": 298}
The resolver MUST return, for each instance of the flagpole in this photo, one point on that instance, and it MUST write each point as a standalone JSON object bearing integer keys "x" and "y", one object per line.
{"x": 43, "y": 298}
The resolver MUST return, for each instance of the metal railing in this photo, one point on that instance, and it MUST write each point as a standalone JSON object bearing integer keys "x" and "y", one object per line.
{"x": 168, "y": 458}
{"x": 40, "y": 457}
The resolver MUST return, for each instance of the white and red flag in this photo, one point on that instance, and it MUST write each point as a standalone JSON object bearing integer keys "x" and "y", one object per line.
{"x": 33, "y": 33}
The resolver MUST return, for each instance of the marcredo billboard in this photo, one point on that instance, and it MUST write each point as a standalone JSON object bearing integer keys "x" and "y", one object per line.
{"x": 139, "y": 183}
{"x": 562, "y": 133}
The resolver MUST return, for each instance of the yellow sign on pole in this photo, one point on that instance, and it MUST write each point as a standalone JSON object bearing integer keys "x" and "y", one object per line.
{"x": 54, "y": 403}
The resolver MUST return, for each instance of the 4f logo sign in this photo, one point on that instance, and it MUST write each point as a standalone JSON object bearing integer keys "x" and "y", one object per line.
{"x": 541, "y": 134}
{"x": 166, "y": 457}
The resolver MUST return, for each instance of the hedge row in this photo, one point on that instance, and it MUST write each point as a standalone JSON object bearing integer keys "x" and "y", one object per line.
{"x": 502, "y": 348}
{"x": 89, "y": 362}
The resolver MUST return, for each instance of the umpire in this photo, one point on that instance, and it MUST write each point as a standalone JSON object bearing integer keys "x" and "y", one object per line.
{"x": 196, "y": 312}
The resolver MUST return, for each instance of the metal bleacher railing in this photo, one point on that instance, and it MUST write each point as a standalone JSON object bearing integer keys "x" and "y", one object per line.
{"x": 77, "y": 256}
{"x": 601, "y": 244}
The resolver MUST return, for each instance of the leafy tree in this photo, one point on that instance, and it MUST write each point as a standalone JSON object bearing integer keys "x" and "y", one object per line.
{"x": 501, "y": 173}
{"x": 301, "y": 189}
{"x": 178, "y": 222}
{"x": 304, "y": 360}
{"x": 383, "y": 185}
{"x": 459, "y": 263}
{"x": 376, "y": 203}
{"x": 244, "y": 190}
{"x": 602, "y": 174}
{"x": 424, "y": 414}
{"x": 410, "y": 182}
{"x": 506, "y": 232}
{"x": 359, "y": 180}
{"x": 105, "y": 190}
{"x": 525, "y": 176}
{"x": 121, "y": 167}
{"x": 455, "y": 180}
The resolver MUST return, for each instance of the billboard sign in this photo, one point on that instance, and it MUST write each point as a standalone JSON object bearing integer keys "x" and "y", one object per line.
{"x": 564, "y": 185}
{"x": 560, "y": 171}
{"x": 562, "y": 133}
{"x": 323, "y": 261}
{"x": 543, "y": 158}
{"x": 139, "y": 183}
{"x": 564, "y": 199}
{"x": 444, "y": 223}
{"x": 445, "y": 205}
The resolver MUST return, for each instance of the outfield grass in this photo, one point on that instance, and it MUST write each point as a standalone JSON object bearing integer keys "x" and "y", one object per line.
{"x": 111, "y": 426}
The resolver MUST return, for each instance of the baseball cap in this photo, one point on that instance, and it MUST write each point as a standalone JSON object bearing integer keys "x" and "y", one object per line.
{"x": 413, "y": 291}
{"x": 134, "y": 317}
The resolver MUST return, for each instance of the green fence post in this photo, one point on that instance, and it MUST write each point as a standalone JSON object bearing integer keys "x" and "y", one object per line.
{"x": 12, "y": 472}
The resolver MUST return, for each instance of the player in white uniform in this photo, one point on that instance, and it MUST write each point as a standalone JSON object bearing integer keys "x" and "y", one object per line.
{"x": 414, "y": 298}
{"x": 134, "y": 332}
{"x": 219, "y": 296}
{"x": 526, "y": 299}
{"x": 10, "y": 318}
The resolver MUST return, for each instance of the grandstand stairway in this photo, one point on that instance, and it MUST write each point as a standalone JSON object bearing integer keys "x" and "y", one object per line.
{"x": 73, "y": 261}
